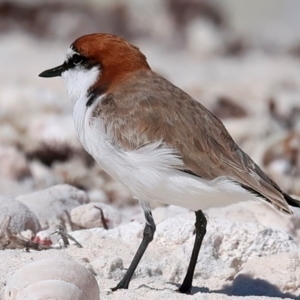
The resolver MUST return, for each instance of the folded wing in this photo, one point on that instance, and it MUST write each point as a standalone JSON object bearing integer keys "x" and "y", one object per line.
{"x": 153, "y": 109}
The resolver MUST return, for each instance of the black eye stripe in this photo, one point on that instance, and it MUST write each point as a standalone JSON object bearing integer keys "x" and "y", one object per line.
{"x": 77, "y": 59}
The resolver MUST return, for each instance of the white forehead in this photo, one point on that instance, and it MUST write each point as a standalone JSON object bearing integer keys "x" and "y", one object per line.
{"x": 70, "y": 52}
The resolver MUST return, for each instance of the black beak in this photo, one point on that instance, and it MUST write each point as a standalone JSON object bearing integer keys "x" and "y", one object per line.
{"x": 53, "y": 72}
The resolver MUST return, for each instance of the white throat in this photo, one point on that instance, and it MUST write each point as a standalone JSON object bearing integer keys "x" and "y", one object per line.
{"x": 79, "y": 80}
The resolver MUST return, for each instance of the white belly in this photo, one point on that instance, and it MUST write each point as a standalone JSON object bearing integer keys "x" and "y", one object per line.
{"x": 149, "y": 172}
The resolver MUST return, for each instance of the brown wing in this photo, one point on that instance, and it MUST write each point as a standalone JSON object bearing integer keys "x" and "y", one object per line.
{"x": 148, "y": 108}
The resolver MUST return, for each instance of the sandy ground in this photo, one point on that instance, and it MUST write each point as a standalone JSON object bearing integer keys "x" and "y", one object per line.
{"x": 242, "y": 258}
{"x": 145, "y": 286}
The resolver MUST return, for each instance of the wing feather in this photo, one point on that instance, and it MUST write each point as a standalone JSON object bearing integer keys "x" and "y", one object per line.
{"x": 147, "y": 108}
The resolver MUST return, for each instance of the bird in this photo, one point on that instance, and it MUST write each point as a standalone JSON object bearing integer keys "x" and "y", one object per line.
{"x": 157, "y": 140}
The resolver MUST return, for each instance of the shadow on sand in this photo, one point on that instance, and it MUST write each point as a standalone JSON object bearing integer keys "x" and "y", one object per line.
{"x": 244, "y": 285}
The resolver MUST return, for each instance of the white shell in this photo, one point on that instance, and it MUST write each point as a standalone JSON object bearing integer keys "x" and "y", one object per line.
{"x": 54, "y": 278}
{"x": 89, "y": 215}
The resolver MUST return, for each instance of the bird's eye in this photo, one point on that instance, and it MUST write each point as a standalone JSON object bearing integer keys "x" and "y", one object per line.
{"x": 77, "y": 59}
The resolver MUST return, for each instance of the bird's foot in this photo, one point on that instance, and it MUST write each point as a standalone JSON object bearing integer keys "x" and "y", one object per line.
{"x": 121, "y": 285}
{"x": 184, "y": 290}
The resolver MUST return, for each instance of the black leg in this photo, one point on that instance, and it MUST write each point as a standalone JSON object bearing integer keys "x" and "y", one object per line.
{"x": 200, "y": 233}
{"x": 147, "y": 238}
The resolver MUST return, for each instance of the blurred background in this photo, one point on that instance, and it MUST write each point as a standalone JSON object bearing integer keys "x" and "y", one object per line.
{"x": 241, "y": 59}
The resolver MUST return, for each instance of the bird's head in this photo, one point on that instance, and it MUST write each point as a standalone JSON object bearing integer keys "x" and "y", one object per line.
{"x": 97, "y": 63}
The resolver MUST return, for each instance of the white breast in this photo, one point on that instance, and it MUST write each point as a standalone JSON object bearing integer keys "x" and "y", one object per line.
{"x": 150, "y": 172}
